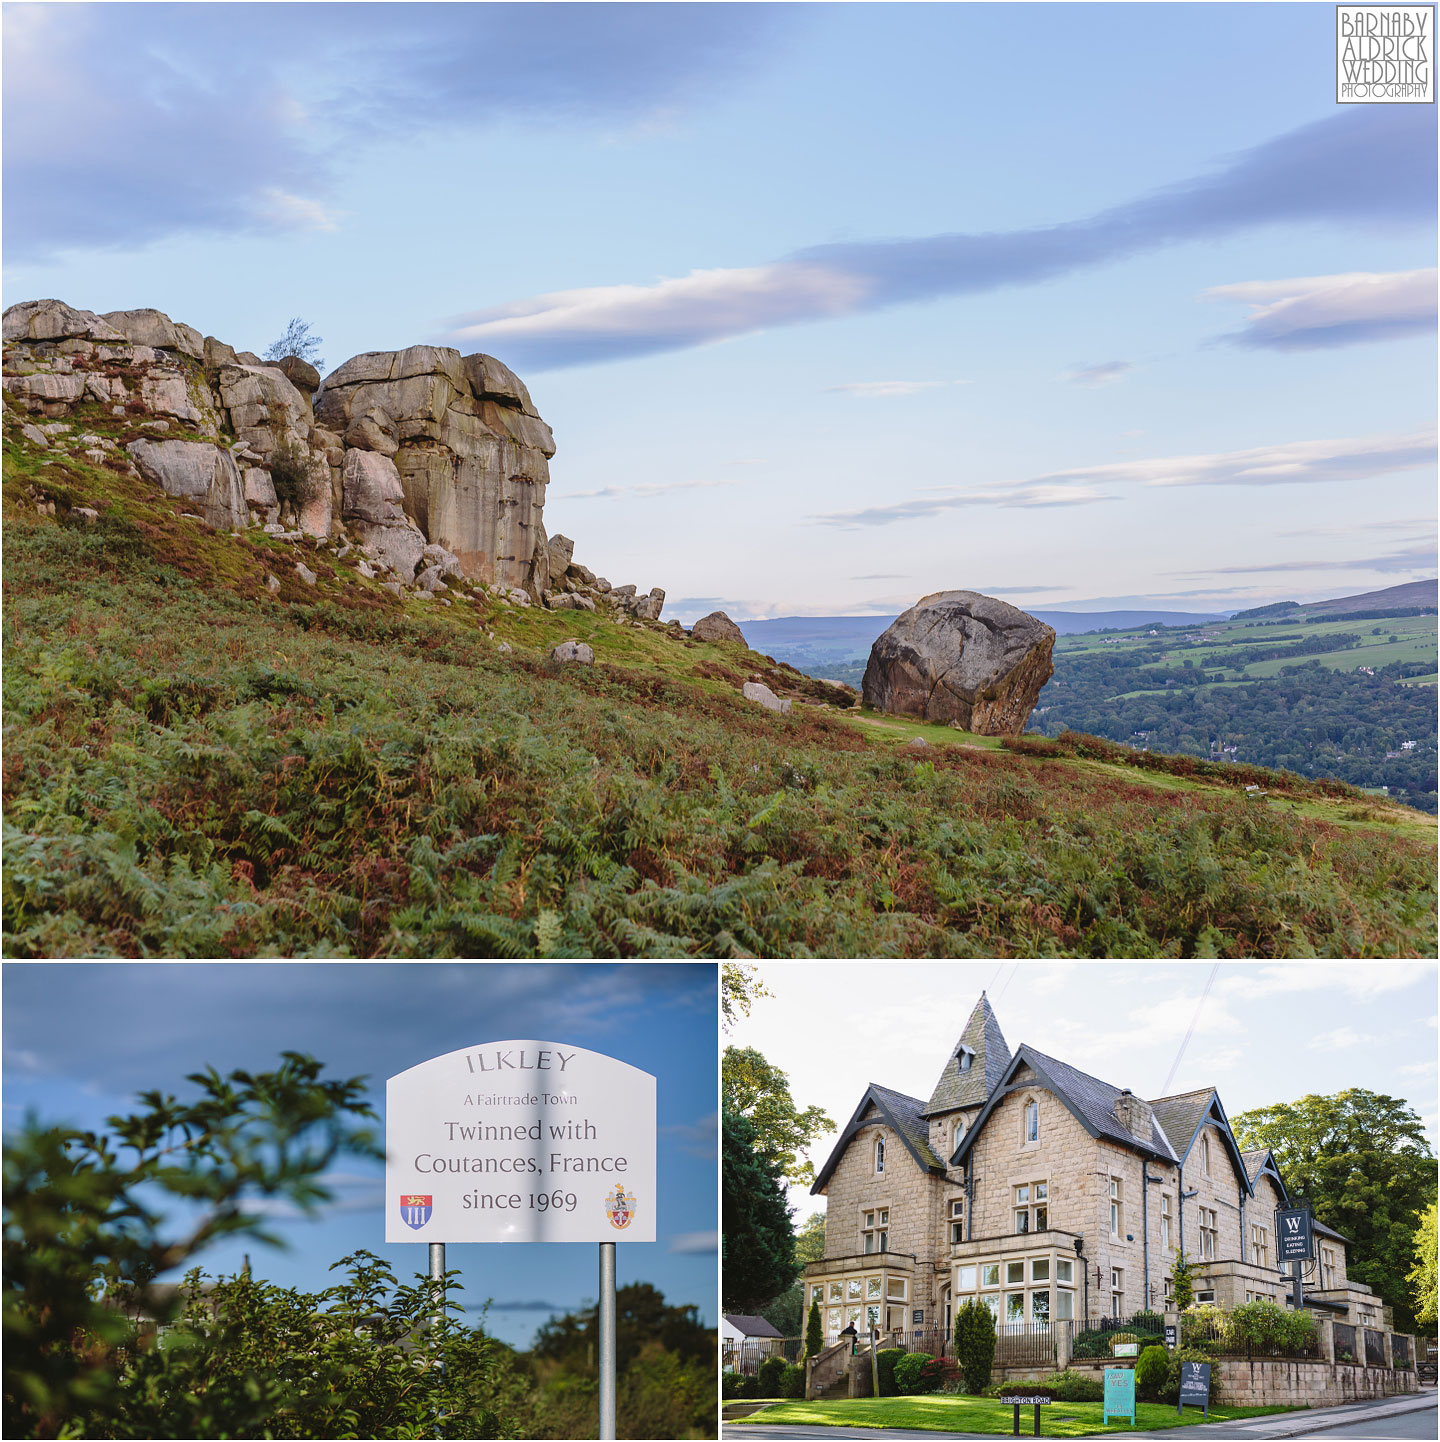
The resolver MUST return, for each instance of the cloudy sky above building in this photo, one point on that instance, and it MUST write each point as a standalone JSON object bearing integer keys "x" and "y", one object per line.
{"x": 1264, "y": 1033}
{"x": 829, "y": 305}
{"x": 81, "y": 1039}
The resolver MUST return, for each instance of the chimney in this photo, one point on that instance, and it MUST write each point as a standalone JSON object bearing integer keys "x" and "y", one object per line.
{"x": 1134, "y": 1115}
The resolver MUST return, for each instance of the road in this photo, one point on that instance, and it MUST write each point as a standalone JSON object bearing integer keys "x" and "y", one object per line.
{"x": 1327, "y": 1424}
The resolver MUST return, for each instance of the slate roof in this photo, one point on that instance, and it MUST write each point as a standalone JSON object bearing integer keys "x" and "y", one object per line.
{"x": 1091, "y": 1100}
{"x": 1095, "y": 1100}
{"x": 971, "y": 1088}
{"x": 906, "y": 1119}
{"x": 1182, "y": 1115}
{"x": 752, "y": 1326}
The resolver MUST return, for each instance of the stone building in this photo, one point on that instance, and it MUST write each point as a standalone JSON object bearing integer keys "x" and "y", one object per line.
{"x": 1050, "y": 1196}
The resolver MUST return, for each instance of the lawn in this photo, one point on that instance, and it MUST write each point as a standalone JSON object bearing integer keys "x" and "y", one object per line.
{"x": 943, "y": 1413}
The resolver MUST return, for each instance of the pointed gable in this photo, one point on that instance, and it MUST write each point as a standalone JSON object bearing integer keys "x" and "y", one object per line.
{"x": 902, "y": 1114}
{"x": 1186, "y": 1115}
{"x": 988, "y": 1057}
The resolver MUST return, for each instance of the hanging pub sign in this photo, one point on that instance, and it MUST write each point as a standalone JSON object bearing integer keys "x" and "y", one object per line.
{"x": 1194, "y": 1386}
{"x": 520, "y": 1141}
{"x": 1294, "y": 1235}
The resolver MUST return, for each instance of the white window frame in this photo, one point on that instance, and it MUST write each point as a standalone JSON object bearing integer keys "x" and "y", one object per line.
{"x": 1117, "y": 1207}
{"x": 1030, "y": 1132}
{"x": 1165, "y": 1220}
{"x": 879, "y": 1156}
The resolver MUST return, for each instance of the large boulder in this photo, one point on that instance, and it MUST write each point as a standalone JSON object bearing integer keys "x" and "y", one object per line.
{"x": 54, "y": 320}
{"x": 717, "y": 626}
{"x": 195, "y": 471}
{"x": 963, "y": 658}
{"x": 155, "y": 328}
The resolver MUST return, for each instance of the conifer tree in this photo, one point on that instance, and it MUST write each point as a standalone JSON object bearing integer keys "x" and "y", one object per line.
{"x": 814, "y": 1333}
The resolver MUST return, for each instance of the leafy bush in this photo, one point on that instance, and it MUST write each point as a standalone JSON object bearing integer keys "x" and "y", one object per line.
{"x": 886, "y": 1358}
{"x": 1170, "y": 1388}
{"x": 737, "y": 1387}
{"x": 291, "y": 475}
{"x": 1123, "y": 1339}
{"x": 1151, "y": 1371}
{"x": 908, "y": 1371}
{"x": 792, "y": 1384}
{"x": 769, "y": 1376}
{"x": 940, "y": 1374}
{"x": 1075, "y": 1387}
{"x": 975, "y": 1344}
{"x": 1265, "y": 1327}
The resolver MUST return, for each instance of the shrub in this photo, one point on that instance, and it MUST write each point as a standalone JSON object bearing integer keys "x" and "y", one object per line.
{"x": 738, "y": 1387}
{"x": 1170, "y": 1388}
{"x": 792, "y": 1384}
{"x": 1123, "y": 1339}
{"x": 885, "y": 1359}
{"x": 1151, "y": 1371}
{"x": 1264, "y": 1327}
{"x": 769, "y": 1377}
{"x": 814, "y": 1332}
{"x": 1075, "y": 1387}
{"x": 1206, "y": 1327}
{"x": 1184, "y": 1283}
{"x": 940, "y": 1374}
{"x": 290, "y": 475}
{"x": 975, "y": 1345}
{"x": 907, "y": 1373}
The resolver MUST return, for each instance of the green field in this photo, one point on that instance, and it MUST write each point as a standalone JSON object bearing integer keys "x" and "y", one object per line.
{"x": 944, "y": 1413}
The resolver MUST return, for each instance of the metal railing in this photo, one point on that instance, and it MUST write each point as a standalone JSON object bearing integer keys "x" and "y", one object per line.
{"x": 1095, "y": 1336}
{"x": 744, "y": 1355}
{"x": 1222, "y": 1337}
{"x": 1025, "y": 1344}
{"x": 1400, "y": 1350}
{"x": 1374, "y": 1348}
{"x": 1347, "y": 1343}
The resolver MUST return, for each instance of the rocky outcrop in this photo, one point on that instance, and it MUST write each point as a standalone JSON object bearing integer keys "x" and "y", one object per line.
{"x": 205, "y": 475}
{"x": 962, "y": 658}
{"x": 717, "y": 626}
{"x": 469, "y": 449}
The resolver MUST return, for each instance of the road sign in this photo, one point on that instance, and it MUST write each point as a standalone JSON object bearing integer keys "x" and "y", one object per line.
{"x": 1119, "y": 1394}
{"x": 1194, "y": 1386}
{"x": 520, "y": 1141}
{"x": 1294, "y": 1236}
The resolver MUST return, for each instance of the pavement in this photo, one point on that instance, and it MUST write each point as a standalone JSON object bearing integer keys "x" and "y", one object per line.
{"x": 1394, "y": 1417}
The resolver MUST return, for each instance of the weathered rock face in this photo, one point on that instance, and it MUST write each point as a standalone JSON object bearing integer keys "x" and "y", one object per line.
{"x": 964, "y": 658}
{"x": 717, "y": 626}
{"x": 464, "y": 439}
{"x": 205, "y": 475}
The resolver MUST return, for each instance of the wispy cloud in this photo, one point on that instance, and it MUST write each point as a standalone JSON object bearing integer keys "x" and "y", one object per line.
{"x": 1409, "y": 559}
{"x": 1098, "y": 375}
{"x": 1370, "y": 163}
{"x": 695, "y": 1243}
{"x": 876, "y": 390}
{"x": 1024, "y": 496}
{"x": 1332, "y": 310}
{"x": 294, "y": 212}
{"x": 643, "y": 488}
{"x": 1340, "y": 1037}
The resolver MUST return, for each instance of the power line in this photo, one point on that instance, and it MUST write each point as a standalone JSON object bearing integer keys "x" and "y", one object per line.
{"x": 1199, "y": 1006}
{"x": 1008, "y": 980}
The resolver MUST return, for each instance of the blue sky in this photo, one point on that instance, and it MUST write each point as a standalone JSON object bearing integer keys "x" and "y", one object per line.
{"x": 1266, "y": 1032}
{"x": 829, "y": 306}
{"x": 81, "y": 1039}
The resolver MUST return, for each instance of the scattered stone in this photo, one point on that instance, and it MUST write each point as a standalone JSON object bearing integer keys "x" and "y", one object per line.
{"x": 758, "y": 691}
{"x": 57, "y": 428}
{"x": 504, "y": 646}
{"x": 717, "y": 626}
{"x": 429, "y": 579}
{"x": 272, "y": 584}
{"x": 88, "y": 514}
{"x": 158, "y": 426}
{"x": 394, "y": 587}
{"x": 34, "y": 434}
{"x": 916, "y": 743}
{"x": 963, "y": 658}
{"x": 305, "y": 573}
{"x": 568, "y": 601}
{"x": 366, "y": 570}
{"x": 576, "y": 651}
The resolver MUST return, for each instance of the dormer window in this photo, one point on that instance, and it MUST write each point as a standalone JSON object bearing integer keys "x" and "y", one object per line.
{"x": 879, "y": 1155}
{"x": 964, "y": 1059}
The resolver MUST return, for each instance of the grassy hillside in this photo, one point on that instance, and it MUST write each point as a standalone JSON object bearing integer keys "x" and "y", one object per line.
{"x": 197, "y": 767}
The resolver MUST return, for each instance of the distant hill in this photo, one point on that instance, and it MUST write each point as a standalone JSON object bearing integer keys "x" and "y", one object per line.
{"x": 840, "y": 638}
{"x": 1410, "y": 593}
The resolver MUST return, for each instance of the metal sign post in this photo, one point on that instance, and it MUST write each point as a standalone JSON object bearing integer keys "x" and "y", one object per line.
{"x": 524, "y": 1141}
{"x": 1295, "y": 1243}
{"x": 607, "y": 1340}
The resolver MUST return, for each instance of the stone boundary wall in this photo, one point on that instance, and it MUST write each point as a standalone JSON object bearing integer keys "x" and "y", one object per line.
{"x": 1280, "y": 1381}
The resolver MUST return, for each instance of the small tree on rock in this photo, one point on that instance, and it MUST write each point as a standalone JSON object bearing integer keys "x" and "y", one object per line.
{"x": 975, "y": 1345}
{"x": 297, "y": 341}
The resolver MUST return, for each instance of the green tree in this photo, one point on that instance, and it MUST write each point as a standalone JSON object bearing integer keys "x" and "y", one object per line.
{"x": 975, "y": 1345}
{"x": 1180, "y": 1274}
{"x": 1362, "y": 1161}
{"x": 740, "y": 987}
{"x": 298, "y": 340}
{"x": 1422, "y": 1276}
{"x": 786, "y": 1311}
{"x": 758, "y": 1260}
{"x": 84, "y": 1233}
{"x": 753, "y": 1088}
{"x": 814, "y": 1332}
{"x": 642, "y": 1316}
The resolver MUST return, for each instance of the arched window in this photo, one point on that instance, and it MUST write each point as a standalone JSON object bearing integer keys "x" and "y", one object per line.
{"x": 1032, "y": 1121}
{"x": 879, "y": 1154}
{"x": 957, "y": 1134}
{"x": 1205, "y": 1155}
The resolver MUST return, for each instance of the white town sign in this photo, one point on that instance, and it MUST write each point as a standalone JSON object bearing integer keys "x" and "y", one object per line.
{"x": 520, "y": 1141}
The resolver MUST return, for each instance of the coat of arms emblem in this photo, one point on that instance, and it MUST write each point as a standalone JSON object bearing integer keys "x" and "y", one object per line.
{"x": 415, "y": 1209}
{"x": 620, "y": 1207}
